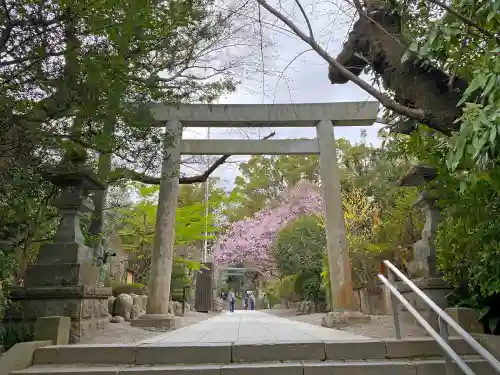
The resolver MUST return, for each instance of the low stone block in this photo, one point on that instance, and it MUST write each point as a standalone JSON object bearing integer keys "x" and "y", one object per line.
{"x": 158, "y": 321}
{"x": 20, "y": 356}
{"x": 466, "y": 318}
{"x": 355, "y": 349}
{"x": 117, "y": 319}
{"x": 336, "y": 319}
{"x": 179, "y": 353}
{"x": 263, "y": 369}
{"x": 360, "y": 368}
{"x": 262, "y": 352}
{"x": 53, "y": 328}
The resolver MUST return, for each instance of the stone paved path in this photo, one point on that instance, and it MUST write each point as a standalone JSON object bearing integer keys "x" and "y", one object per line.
{"x": 381, "y": 327}
{"x": 251, "y": 326}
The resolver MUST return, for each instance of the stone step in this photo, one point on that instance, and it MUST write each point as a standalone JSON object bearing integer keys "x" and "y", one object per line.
{"x": 226, "y": 353}
{"x": 383, "y": 367}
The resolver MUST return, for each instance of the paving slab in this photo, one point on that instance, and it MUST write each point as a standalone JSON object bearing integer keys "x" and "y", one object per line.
{"x": 251, "y": 327}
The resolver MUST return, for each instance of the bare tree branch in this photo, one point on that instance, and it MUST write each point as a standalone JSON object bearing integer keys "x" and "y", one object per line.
{"x": 384, "y": 99}
{"x": 122, "y": 173}
{"x": 311, "y": 34}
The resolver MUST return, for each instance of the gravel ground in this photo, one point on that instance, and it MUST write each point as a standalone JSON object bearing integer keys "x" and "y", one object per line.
{"x": 123, "y": 333}
{"x": 380, "y": 326}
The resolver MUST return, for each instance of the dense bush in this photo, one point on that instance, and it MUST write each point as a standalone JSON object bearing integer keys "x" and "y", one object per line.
{"x": 471, "y": 263}
{"x": 7, "y": 266}
{"x": 180, "y": 278}
{"x": 299, "y": 250}
{"x": 13, "y": 333}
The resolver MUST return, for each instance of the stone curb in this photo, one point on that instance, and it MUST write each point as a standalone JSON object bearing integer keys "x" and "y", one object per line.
{"x": 227, "y": 353}
{"x": 382, "y": 367}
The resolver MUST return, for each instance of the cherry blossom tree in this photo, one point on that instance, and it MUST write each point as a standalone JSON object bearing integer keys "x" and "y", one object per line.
{"x": 250, "y": 240}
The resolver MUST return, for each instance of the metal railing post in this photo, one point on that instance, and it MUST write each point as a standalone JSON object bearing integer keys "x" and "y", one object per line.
{"x": 447, "y": 323}
{"x": 445, "y": 335}
{"x": 394, "y": 303}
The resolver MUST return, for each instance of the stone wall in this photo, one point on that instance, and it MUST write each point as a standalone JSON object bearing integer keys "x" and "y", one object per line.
{"x": 435, "y": 288}
{"x": 86, "y": 306}
{"x": 372, "y": 301}
{"x": 310, "y": 307}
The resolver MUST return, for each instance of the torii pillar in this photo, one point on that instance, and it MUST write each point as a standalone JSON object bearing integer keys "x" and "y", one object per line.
{"x": 336, "y": 242}
{"x": 157, "y": 312}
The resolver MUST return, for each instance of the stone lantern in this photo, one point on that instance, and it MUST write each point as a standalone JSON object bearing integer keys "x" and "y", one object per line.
{"x": 422, "y": 268}
{"x": 64, "y": 279}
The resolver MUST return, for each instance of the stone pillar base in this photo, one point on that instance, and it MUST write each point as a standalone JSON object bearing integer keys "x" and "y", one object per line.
{"x": 466, "y": 318}
{"x": 435, "y": 288}
{"x": 165, "y": 322}
{"x": 87, "y": 306}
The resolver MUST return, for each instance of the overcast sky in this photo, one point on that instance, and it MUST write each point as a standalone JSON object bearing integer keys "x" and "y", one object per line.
{"x": 302, "y": 79}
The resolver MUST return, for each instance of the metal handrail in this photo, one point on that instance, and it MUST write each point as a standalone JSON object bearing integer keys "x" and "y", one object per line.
{"x": 444, "y": 321}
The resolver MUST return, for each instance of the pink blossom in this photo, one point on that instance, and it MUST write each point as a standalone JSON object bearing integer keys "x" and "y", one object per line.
{"x": 250, "y": 240}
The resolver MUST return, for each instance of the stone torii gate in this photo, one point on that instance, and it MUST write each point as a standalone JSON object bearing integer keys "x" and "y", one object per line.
{"x": 322, "y": 116}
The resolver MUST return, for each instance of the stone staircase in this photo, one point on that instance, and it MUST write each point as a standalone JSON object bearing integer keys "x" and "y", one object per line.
{"x": 363, "y": 357}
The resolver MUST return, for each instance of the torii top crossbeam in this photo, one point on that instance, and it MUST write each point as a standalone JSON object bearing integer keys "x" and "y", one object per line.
{"x": 267, "y": 115}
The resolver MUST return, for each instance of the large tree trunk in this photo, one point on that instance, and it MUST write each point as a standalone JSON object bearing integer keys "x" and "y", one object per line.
{"x": 381, "y": 44}
{"x": 96, "y": 226}
{"x": 97, "y": 221}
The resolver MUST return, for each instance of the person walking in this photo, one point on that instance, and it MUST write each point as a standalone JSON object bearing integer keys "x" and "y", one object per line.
{"x": 232, "y": 299}
{"x": 245, "y": 301}
{"x": 252, "y": 301}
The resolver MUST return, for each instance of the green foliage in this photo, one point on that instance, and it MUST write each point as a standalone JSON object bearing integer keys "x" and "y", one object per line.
{"x": 7, "y": 266}
{"x": 468, "y": 52}
{"x": 14, "y": 333}
{"x": 83, "y": 82}
{"x": 325, "y": 282}
{"x": 180, "y": 278}
{"x": 299, "y": 250}
{"x": 285, "y": 288}
{"x": 112, "y": 74}
{"x": 119, "y": 288}
{"x": 468, "y": 245}
{"x": 271, "y": 295}
{"x": 467, "y": 237}
{"x": 138, "y": 222}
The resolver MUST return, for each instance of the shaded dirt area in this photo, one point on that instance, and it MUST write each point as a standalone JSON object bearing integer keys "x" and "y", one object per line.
{"x": 123, "y": 333}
